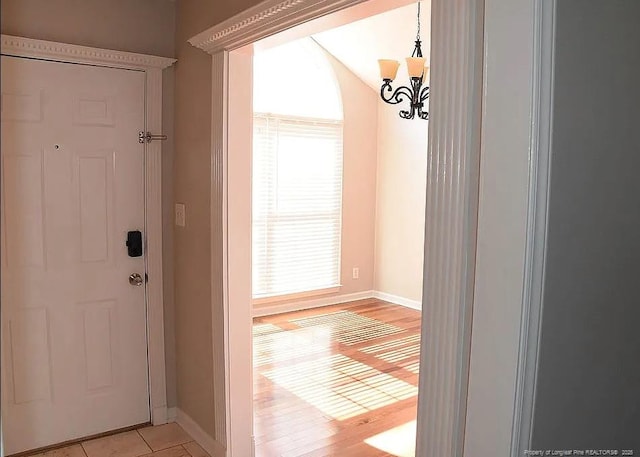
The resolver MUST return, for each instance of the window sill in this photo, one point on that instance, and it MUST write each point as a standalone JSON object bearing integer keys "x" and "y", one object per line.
{"x": 297, "y": 295}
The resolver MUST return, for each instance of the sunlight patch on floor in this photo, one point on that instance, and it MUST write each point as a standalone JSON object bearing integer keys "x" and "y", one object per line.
{"x": 399, "y": 441}
{"x": 398, "y": 350}
{"x": 340, "y": 386}
{"x": 349, "y": 328}
{"x": 412, "y": 367}
{"x": 395, "y": 343}
{"x": 279, "y": 346}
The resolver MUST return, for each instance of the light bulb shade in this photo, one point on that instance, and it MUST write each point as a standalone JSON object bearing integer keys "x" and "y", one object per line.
{"x": 415, "y": 66}
{"x": 388, "y": 68}
{"x": 425, "y": 73}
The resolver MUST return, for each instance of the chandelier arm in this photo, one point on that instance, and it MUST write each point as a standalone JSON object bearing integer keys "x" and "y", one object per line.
{"x": 410, "y": 114}
{"x": 397, "y": 95}
{"x": 423, "y": 114}
{"x": 424, "y": 94}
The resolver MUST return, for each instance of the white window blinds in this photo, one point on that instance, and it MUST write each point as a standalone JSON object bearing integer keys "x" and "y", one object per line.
{"x": 297, "y": 204}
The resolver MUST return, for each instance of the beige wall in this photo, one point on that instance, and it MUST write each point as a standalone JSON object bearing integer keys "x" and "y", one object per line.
{"x": 194, "y": 350}
{"x": 400, "y": 206}
{"x": 359, "y": 179}
{"x": 195, "y": 291}
{"x": 359, "y": 104}
{"x": 144, "y": 26}
{"x": 115, "y": 24}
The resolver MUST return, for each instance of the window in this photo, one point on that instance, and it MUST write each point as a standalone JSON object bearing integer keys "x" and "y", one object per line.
{"x": 297, "y": 173}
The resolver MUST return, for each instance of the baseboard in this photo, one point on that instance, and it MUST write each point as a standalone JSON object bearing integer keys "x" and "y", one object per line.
{"x": 397, "y": 300}
{"x": 172, "y": 414}
{"x": 208, "y": 443}
{"x": 268, "y": 310}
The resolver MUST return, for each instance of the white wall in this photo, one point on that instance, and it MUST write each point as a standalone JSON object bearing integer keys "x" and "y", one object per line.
{"x": 400, "y": 204}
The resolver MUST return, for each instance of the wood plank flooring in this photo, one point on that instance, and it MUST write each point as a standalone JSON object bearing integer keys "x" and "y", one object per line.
{"x": 340, "y": 381}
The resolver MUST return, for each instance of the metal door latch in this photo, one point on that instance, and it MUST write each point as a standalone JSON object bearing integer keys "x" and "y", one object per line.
{"x": 148, "y": 137}
{"x": 135, "y": 279}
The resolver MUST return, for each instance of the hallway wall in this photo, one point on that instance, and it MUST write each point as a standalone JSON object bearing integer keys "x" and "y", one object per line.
{"x": 195, "y": 291}
{"x": 587, "y": 393}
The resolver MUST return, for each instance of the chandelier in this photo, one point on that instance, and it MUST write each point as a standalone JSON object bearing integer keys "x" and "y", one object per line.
{"x": 416, "y": 94}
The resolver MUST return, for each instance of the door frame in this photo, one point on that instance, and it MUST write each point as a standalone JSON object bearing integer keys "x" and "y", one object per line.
{"x": 481, "y": 181}
{"x": 451, "y": 217}
{"x": 152, "y": 67}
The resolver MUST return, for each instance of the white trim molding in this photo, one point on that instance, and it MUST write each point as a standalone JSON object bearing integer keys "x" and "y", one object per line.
{"x": 537, "y": 225}
{"x": 219, "y": 245}
{"x": 63, "y": 52}
{"x": 298, "y": 305}
{"x": 398, "y": 300}
{"x": 152, "y": 67}
{"x": 263, "y": 20}
{"x": 308, "y": 294}
{"x": 153, "y": 258}
{"x": 319, "y": 302}
{"x": 503, "y": 225}
{"x": 172, "y": 414}
{"x": 206, "y": 441}
{"x": 450, "y": 224}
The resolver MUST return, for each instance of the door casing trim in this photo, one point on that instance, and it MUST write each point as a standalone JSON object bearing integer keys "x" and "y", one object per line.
{"x": 152, "y": 66}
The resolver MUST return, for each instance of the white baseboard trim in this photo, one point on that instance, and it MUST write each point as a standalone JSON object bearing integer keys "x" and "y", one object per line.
{"x": 159, "y": 415}
{"x": 397, "y": 300}
{"x": 172, "y": 414}
{"x": 267, "y": 310}
{"x": 208, "y": 443}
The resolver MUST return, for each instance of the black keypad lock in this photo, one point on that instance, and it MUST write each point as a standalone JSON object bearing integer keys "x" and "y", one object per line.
{"x": 134, "y": 243}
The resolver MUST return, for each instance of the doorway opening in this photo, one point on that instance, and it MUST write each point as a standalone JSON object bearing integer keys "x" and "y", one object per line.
{"x": 451, "y": 210}
{"x": 338, "y": 195}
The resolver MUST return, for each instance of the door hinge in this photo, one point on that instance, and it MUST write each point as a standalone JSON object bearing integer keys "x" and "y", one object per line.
{"x": 146, "y": 278}
{"x": 148, "y": 137}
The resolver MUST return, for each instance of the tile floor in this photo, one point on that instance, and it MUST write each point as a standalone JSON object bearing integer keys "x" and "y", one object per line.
{"x": 168, "y": 440}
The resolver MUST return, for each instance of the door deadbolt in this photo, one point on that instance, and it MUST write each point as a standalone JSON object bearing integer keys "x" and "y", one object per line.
{"x": 134, "y": 243}
{"x": 135, "y": 279}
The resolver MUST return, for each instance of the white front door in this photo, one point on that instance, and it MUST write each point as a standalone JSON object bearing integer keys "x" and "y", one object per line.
{"x": 74, "y": 345}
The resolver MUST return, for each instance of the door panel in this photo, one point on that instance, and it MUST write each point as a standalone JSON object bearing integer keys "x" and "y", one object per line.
{"x": 74, "y": 352}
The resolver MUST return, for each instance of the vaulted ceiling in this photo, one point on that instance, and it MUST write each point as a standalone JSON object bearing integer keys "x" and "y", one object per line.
{"x": 388, "y": 35}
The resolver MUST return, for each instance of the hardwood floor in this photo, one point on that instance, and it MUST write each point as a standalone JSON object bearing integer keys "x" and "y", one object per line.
{"x": 337, "y": 381}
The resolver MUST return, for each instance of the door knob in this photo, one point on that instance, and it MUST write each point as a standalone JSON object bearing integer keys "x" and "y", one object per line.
{"x": 135, "y": 279}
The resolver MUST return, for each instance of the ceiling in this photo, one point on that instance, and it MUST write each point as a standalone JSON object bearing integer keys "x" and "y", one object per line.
{"x": 389, "y": 35}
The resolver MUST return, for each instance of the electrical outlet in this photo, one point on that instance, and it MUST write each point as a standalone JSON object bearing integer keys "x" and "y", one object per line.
{"x": 181, "y": 215}
{"x": 356, "y": 273}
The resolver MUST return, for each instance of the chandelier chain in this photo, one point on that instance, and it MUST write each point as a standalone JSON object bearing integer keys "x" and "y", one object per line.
{"x": 418, "y": 33}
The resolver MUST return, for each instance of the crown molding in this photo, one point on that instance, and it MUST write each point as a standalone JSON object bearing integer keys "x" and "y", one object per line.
{"x": 263, "y": 20}
{"x": 40, "y": 49}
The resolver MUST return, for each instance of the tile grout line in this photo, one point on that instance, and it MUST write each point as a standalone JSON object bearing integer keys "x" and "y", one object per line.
{"x": 144, "y": 441}
{"x": 185, "y": 449}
